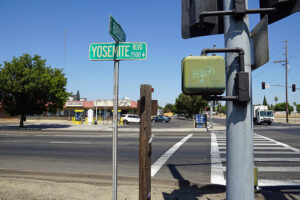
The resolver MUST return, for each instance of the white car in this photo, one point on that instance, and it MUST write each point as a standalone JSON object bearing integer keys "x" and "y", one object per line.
{"x": 130, "y": 118}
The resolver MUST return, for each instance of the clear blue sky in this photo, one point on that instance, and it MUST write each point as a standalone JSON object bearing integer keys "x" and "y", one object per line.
{"x": 38, "y": 26}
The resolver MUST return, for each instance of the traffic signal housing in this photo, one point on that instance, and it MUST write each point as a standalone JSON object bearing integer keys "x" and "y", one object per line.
{"x": 293, "y": 87}
{"x": 190, "y": 18}
{"x": 283, "y": 8}
{"x": 263, "y": 85}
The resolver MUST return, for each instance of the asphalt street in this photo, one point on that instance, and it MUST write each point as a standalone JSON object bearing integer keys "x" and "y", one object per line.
{"x": 180, "y": 156}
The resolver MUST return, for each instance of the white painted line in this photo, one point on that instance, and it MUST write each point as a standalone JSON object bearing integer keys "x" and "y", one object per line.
{"x": 262, "y": 148}
{"x": 270, "y": 152}
{"x": 262, "y": 144}
{"x": 268, "y": 182}
{"x": 272, "y": 159}
{"x": 276, "y": 169}
{"x": 280, "y": 143}
{"x": 9, "y": 141}
{"x": 217, "y": 175}
{"x": 163, "y": 159}
{"x": 88, "y": 136}
{"x": 70, "y": 142}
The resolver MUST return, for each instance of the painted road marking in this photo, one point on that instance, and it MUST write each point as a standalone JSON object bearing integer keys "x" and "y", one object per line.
{"x": 260, "y": 143}
{"x": 280, "y": 143}
{"x": 272, "y": 159}
{"x": 263, "y": 148}
{"x": 163, "y": 159}
{"x": 271, "y": 152}
{"x": 269, "y": 182}
{"x": 217, "y": 175}
{"x": 275, "y": 169}
{"x": 58, "y": 142}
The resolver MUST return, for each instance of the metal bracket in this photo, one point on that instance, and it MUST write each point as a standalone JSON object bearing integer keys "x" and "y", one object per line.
{"x": 238, "y": 11}
{"x": 243, "y": 91}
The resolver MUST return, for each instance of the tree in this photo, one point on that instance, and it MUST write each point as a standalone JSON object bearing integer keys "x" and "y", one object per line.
{"x": 29, "y": 87}
{"x": 276, "y": 99}
{"x": 168, "y": 108}
{"x": 221, "y": 109}
{"x": 189, "y": 104}
{"x": 265, "y": 103}
{"x": 282, "y": 107}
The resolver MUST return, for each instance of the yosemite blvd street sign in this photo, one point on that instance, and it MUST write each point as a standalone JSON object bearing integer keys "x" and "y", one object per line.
{"x": 126, "y": 51}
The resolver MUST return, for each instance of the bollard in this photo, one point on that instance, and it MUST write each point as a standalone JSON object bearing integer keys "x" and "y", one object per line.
{"x": 256, "y": 188}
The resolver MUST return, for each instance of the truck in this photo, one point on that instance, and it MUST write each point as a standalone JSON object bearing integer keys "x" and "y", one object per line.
{"x": 261, "y": 114}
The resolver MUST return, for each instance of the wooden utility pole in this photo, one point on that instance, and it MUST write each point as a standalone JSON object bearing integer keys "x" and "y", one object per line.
{"x": 286, "y": 82}
{"x": 145, "y": 145}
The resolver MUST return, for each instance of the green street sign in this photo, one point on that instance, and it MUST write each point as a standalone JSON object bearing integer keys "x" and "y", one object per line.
{"x": 116, "y": 31}
{"x": 204, "y": 75}
{"x": 126, "y": 51}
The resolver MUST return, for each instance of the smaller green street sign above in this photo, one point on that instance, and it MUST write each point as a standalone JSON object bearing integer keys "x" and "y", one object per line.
{"x": 125, "y": 51}
{"x": 116, "y": 31}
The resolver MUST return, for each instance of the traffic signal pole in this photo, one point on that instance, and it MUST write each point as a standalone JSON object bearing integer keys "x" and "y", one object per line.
{"x": 239, "y": 126}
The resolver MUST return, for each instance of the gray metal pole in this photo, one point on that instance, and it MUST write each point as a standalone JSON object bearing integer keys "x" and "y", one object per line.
{"x": 115, "y": 129}
{"x": 210, "y": 114}
{"x": 239, "y": 126}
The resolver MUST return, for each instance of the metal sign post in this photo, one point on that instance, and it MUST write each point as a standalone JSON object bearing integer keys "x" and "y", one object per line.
{"x": 120, "y": 50}
{"x": 115, "y": 129}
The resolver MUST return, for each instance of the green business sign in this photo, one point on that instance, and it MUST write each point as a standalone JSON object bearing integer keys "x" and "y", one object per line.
{"x": 116, "y": 31}
{"x": 125, "y": 51}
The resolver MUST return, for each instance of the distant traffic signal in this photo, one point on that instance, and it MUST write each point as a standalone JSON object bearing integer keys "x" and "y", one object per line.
{"x": 263, "y": 85}
{"x": 294, "y": 87}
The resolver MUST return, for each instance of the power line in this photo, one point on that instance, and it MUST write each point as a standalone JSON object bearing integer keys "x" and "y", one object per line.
{"x": 65, "y": 46}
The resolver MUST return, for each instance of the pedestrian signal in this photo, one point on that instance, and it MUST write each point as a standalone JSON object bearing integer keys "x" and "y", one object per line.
{"x": 203, "y": 75}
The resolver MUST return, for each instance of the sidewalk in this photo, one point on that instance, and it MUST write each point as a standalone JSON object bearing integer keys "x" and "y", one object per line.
{"x": 57, "y": 125}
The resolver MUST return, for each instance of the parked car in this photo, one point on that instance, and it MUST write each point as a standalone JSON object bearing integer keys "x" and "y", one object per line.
{"x": 160, "y": 118}
{"x": 167, "y": 117}
{"x": 130, "y": 118}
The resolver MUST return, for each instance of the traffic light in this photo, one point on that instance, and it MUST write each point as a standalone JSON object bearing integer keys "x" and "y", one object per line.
{"x": 263, "y": 85}
{"x": 190, "y": 17}
{"x": 283, "y": 8}
{"x": 293, "y": 87}
{"x": 203, "y": 75}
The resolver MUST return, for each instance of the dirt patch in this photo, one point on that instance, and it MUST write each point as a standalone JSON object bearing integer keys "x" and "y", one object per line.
{"x": 26, "y": 185}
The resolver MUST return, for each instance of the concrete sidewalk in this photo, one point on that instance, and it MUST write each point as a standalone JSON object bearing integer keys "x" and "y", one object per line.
{"x": 57, "y": 125}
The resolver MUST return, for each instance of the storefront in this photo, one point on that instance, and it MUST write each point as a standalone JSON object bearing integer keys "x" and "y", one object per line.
{"x": 103, "y": 109}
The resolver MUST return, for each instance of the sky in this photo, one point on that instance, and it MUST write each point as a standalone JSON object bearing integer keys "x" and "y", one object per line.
{"x": 40, "y": 26}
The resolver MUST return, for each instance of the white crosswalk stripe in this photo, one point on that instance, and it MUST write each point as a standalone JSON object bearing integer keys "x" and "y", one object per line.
{"x": 262, "y": 145}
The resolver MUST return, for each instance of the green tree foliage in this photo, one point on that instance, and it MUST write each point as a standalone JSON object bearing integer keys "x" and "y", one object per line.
{"x": 29, "y": 87}
{"x": 282, "y": 107}
{"x": 265, "y": 103}
{"x": 168, "y": 108}
{"x": 189, "y": 104}
{"x": 298, "y": 108}
{"x": 221, "y": 109}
